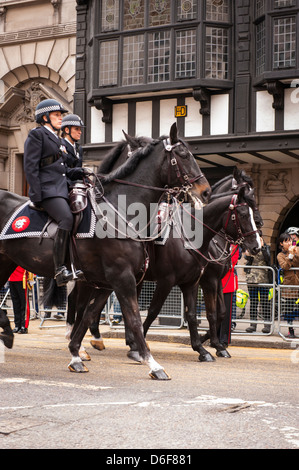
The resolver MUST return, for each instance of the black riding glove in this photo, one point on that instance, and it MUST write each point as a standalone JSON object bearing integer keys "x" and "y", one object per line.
{"x": 75, "y": 173}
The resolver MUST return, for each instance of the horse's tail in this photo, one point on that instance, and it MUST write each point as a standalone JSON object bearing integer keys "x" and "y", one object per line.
{"x": 51, "y": 293}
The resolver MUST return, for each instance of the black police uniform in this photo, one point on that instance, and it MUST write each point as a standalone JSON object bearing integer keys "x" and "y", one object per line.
{"x": 47, "y": 174}
{"x": 74, "y": 157}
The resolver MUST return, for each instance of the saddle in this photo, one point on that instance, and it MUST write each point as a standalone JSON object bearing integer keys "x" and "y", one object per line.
{"x": 78, "y": 197}
{"x": 78, "y": 200}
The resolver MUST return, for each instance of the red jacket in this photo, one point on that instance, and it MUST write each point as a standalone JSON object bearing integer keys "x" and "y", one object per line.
{"x": 230, "y": 280}
{"x": 17, "y": 275}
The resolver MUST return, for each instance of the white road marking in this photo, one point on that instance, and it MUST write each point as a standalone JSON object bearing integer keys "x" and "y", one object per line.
{"x": 51, "y": 383}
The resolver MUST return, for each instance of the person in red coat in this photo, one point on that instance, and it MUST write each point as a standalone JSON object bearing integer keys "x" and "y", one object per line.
{"x": 229, "y": 287}
{"x": 18, "y": 297}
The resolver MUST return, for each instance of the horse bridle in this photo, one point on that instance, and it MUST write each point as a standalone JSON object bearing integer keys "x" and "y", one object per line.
{"x": 181, "y": 175}
{"x": 233, "y": 216}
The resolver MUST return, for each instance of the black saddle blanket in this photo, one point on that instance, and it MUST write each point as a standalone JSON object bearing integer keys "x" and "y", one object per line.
{"x": 27, "y": 222}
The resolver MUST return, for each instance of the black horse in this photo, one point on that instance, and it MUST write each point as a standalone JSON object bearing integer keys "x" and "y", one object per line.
{"x": 172, "y": 265}
{"x": 113, "y": 263}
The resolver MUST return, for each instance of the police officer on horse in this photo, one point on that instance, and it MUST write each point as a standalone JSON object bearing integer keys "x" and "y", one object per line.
{"x": 71, "y": 128}
{"x": 47, "y": 174}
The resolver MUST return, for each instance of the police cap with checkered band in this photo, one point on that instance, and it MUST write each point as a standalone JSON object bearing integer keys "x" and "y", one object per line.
{"x": 45, "y": 107}
{"x": 71, "y": 120}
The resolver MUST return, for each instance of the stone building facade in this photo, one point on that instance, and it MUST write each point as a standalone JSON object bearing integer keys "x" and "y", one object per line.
{"x": 37, "y": 61}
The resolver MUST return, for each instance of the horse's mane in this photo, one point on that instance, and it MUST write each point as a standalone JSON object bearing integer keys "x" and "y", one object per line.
{"x": 218, "y": 183}
{"x": 112, "y": 157}
{"x": 248, "y": 197}
{"x": 239, "y": 175}
{"x": 145, "y": 147}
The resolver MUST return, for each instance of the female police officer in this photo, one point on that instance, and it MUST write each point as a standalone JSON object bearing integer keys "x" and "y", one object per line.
{"x": 47, "y": 176}
{"x": 71, "y": 132}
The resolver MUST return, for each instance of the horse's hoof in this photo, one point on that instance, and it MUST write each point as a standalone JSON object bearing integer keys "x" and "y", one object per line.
{"x": 7, "y": 340}
{"x": 223, "y": 353}
{"x": 134, "y": 355}
{"x": 160, "y": 374}
{"x": 98, "y": 344}
{"x": 84, "y": 356}
{"x": 77, "y": 367}
{"x": 206, "y": 358}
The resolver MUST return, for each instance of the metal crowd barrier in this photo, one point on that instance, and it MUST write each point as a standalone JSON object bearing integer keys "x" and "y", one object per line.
{"x": 266, "y": 307}
{"x": 6, "y": 302}
{"x": 288, "y": 307}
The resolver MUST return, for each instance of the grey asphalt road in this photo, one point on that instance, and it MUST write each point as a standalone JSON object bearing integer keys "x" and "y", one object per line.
{"x": 247, "y": 402}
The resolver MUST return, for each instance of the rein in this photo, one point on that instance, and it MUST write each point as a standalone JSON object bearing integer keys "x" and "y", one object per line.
{"x": 232, "y": 215}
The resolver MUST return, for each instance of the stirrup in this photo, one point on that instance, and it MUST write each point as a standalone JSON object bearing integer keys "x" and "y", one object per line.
{"x": 63, "y": 276}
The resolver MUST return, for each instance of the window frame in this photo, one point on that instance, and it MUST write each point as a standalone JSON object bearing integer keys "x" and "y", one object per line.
{"x": 199, "y": 24}
{"x": 271, "y": 14}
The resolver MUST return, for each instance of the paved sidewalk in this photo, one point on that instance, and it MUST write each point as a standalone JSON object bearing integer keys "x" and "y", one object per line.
{"x": 52, "y": 329}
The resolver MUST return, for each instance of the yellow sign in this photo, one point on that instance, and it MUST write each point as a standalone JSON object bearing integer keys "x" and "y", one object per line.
{"x": 180, "y": 111}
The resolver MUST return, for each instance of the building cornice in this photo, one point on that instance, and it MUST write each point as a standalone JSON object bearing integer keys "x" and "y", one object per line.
{"x": 47, "y": 32}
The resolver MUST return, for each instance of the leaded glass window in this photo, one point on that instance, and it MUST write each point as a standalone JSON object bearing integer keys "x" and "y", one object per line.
{"x": 133, "y": 60}
{"x": 216, "y": 63}
{"x": 185, "y": 54}
{"x": 217, "y": 10}
{"x": 140, "y": 42}
{"x": 260, "y": 7}
{"x": 108, "y": 63}
{"x": 284, "y": 3}
{"x": 110, "y": 15}
{"x": 284, "y": 42}
{"x": 159, "y": 57}
{"x": 133, "y": 14}
{"x": 187, "y": 10}
{"x": 159, "y": 12}
{"x": 260, "y": 47}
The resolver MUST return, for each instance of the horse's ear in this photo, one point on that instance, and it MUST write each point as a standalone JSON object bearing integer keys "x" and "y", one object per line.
{"x": 236, "y": 172}
{"x": 173, "y": 135}
{"x": 241, "y": 193}
{"x": 130, "y": 140}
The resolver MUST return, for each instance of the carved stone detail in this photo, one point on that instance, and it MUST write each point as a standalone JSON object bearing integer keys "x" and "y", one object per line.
{"x": 33, "y": 95}
{"x": 276, "y": 182}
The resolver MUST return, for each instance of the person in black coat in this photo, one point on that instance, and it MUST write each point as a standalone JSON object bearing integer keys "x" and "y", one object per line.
{"x": 47, "y": 174}
{"x": 71, "y": 128}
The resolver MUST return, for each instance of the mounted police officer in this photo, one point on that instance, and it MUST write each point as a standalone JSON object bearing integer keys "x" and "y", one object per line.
{"x": 71, "y": 128}
{"x": 47, "y": 175}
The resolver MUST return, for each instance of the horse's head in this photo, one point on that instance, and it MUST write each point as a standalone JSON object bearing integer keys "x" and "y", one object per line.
{"x": 180, "y": 169}
{"x": 233, "y": 183}
{"x": 239, "y": 221}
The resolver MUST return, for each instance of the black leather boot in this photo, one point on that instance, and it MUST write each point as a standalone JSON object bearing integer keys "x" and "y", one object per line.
{"x": 61, "y": 244}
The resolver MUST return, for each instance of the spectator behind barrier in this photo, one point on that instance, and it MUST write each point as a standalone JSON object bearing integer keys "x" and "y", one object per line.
{"x": 258, "y": 293}
{"x": 289, "y": 258}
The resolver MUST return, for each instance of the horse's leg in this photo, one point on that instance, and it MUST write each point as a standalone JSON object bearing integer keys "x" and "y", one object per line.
{"x": 7, "y": 267}
{"x": 190, "y": 299}
{"x": 88, "y": 302}
{"x": 125, "y": 290}
{"x": 71, "y": 310}
{"x": 162, "y": 290}
{"x": 97, "y": 340}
